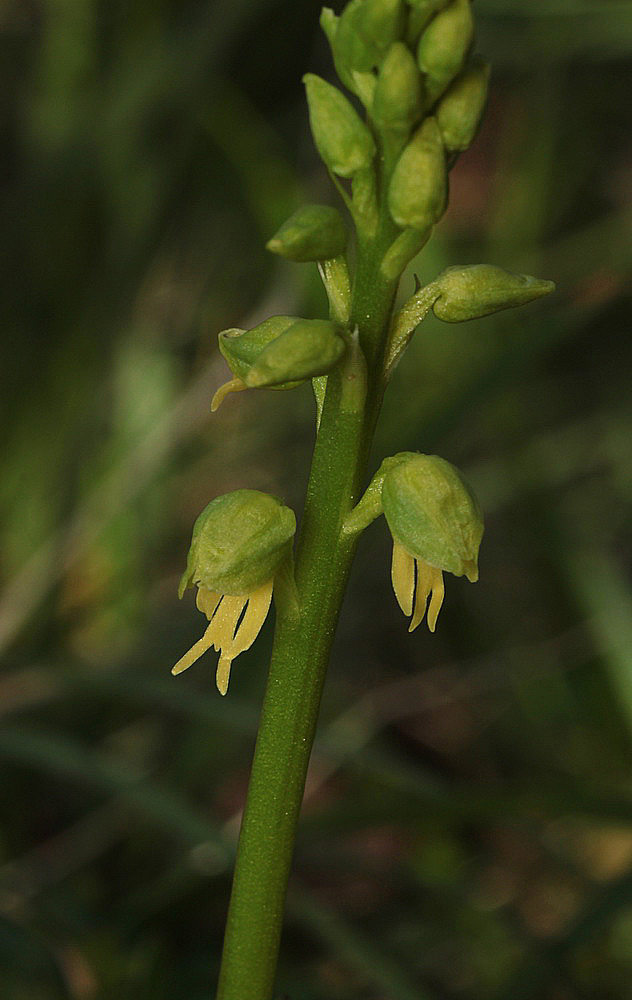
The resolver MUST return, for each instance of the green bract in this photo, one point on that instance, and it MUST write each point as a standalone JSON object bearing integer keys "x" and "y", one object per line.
{"x": 432, "y": 514}
{"x": 480, "y": 289}
{"x": 444, "y": 45}
{"x": 239, "y": 541}
{"x": 365, "y": 31}
{"x": 397, "y": 102}
{"x": 314, "y": 232}
{"x": 343, "y": 141}
{"x": 307, "y": 348}
{"x": 460, "y": 110}
{"x": 418, "y": 189}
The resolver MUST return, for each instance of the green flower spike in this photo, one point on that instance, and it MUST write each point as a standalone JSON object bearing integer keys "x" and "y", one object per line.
{"x": 436, "y": 526}
{"x": 241, "y": 541}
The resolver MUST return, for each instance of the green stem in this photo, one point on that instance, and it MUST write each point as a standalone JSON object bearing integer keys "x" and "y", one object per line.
{"x": 297, "y": 674}
{"x": 301, "y": 650}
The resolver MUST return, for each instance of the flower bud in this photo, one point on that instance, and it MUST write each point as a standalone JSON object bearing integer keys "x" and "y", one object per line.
{"x": 239, "y": 541}
{"x": 307, "y": 348}
{"x": 358, "y": 83}
{"x": 422, "y": 11}
{"x": 460, "y": 110}
{"x": 443, "y": 46}
{"x": 418, "y": 190}
{"x": 481, "y": 289}
{"x": 241, "y": 348}
{"x": 314, "y": 232}
{"x": 397, "y": 102}
{"x": 329, "y": 23}
{"x": 366, "y": 30}
{"x": 433, "y": 515}
{"x": 342, "y": 139}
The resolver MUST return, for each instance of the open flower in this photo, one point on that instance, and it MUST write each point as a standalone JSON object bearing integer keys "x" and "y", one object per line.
{"x": 436, "y": 526}
{"x": 240, "y": 542}
{"x": 280, "y": 353}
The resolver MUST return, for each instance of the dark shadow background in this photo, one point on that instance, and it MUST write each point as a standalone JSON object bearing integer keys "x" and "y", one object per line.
{"x": 468, "y": 826}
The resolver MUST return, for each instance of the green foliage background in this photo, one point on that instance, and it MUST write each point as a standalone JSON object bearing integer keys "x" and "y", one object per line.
{"x": 467, "y": 830}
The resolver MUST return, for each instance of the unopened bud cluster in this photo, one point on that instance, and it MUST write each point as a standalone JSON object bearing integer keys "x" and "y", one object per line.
{"x": 408, "y": 61}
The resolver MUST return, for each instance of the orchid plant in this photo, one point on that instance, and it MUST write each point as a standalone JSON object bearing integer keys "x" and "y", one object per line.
{"x": 417, "y": 94}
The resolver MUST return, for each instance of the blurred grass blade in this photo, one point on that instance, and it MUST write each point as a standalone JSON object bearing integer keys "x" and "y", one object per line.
{"x": 67, "y": 758}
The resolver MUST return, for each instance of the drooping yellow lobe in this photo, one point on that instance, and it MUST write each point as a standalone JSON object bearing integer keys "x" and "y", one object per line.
{"x": 225, "y": 631}
{"x": 196, "y": 651}
{"x": 403, "y": 577}
{"x": 423, "y": 588}
{"x": 413, "y": 582}
{"x": 206, "y": 601}
{"x": 436, "y": 598}
{"x": 233, "y": 385}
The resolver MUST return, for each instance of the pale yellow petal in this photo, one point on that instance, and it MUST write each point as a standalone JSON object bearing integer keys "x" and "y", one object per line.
{"x": 223, "y": 673}
{"x": 234, "y": 385}
{"x": 207, "y": 601}
{"x": 422, "y": 589}
{"x": 250, "y": 625}
{"x": 194, "y": 653}
{"x": 403, "y": 577}
{"x": 224, "y": 623}
{"x": 436, "y": 599}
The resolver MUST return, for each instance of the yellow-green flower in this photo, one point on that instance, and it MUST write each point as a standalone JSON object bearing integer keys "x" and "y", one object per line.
{"x": 279, "y": 353}
{"x": 240, "y": 542}
{"x": 436, "y": 526}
